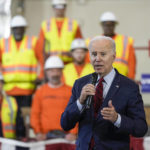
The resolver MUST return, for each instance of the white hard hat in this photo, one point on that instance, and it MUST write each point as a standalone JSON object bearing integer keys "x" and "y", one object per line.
{"x": 59, "y": 2}
{"x": 108, "y": 16}
{"x": 78, "y": 43}
{"x": 1, "y": 77}
{"x": 18, "y": 21}
{"x": 53, "y": 62}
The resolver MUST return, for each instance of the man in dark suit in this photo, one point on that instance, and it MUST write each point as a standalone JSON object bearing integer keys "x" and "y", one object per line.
{"x": 116, "y": 110}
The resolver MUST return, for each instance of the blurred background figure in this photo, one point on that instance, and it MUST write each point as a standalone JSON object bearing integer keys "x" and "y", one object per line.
{"x": 57, "y": 33}
{"x": 49, "y": 102}
{"x": 19, "y": 66}
{"x": 8, "y": 113}
{"x": 78, "y": 68}
{"x": 125, "y": 61}
{"x": 5, "y": 17}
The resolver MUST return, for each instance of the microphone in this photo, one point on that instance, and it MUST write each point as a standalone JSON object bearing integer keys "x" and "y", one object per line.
{"x": 89, "y": 98}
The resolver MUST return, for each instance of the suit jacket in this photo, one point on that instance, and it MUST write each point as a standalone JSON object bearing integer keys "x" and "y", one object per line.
{"x": 127, "y": 101}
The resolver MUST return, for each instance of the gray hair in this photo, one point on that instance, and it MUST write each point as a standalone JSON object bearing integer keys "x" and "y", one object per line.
{"x": 99, "y": 38}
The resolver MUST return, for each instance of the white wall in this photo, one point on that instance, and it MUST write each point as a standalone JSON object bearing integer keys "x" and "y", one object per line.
{"x": 133, "y": 16}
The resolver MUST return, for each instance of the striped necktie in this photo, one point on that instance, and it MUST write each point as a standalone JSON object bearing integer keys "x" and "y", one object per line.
{"x": 98, "y": 99}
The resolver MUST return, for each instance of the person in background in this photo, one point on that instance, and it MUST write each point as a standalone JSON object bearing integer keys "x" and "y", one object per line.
{"x": 116, "y": 110}
{"x": 125, "y": 61}
{"x": 57, "y": 33}
{"x": 50, "y": 101}
{"x": 8, "y": 113}
{"x": 78, "y": 68}
{"x": 19, "y": 61}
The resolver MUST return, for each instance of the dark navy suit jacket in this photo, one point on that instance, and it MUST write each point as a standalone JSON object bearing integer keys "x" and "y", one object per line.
{"x": 127, "y": 101}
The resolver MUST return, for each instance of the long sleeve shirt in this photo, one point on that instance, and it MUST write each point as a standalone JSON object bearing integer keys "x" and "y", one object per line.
{"x": 47, "y": 107}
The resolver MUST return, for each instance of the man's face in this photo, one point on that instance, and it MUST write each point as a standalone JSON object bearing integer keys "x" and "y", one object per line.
{"x": 18, "y": 33}
{"x": 108, "y": 28}
{"x": 79, "y": 55}
{"x": 54, "y": 76}
{"x": 102, "y": 56}
{"x": 59, "y": 12}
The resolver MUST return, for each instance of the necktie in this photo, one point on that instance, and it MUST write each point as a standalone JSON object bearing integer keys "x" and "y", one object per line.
{"x": 98, "y": 99}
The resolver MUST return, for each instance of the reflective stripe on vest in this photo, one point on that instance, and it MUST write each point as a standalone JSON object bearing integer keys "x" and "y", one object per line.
{"x": 27, "y": 69}
{"x": 9, "y": 127}
{"x": 6, "y": 49}
{"x": 48, "y": 25}
{"x": 125, "y": 43}
{"x": 121, "y": 60}
{"x": 70, "y": 24}
{"x": 11, "y": 109}
{"x": 29, "y": 43}
{"x": 9, "y": 113}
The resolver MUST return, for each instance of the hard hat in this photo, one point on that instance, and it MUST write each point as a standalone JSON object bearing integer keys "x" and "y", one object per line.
{"x": 18, "y": 21}
{"x": 108, "y": 16}
{"x": 53, "y": 62}
{"x": 1, "y": 77}
{"x": 59, "y": 2}
{"x": 78, "y": 43}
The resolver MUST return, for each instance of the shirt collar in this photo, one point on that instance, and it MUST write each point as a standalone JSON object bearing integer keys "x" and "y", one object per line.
{"x": 109, "y": 77}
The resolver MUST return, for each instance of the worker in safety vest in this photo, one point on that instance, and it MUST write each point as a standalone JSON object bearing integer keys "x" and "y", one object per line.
{"x": 57, "y": 33}
{"x": 125, "y": 61}
{"x": 49, "y": 102}
{"x": 8, "y": 113}
{"x": 19, "y": 66}
{"x": 78, "y": 68}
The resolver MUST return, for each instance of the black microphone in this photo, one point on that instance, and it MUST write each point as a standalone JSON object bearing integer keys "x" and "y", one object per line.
{"x": 89, "y": 98}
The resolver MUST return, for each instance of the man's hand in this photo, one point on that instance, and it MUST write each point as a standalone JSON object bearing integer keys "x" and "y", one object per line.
{"x": 70, "y": 137}
{"x": 88, "y": 89}
{"x": 40, "y": 137}
{"x": 109, "y": 113}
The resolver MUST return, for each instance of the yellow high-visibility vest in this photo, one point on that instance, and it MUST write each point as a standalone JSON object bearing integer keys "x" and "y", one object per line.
{"x": 70, "y": 73}
{"x": 58, "y": 44}
{"x": 122, "y": 53}
{"x": 8, "y": 116}
{"x": 19, "y": 66}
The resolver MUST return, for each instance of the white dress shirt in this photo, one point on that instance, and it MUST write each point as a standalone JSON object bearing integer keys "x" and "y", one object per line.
{"x": 106, "y": 86}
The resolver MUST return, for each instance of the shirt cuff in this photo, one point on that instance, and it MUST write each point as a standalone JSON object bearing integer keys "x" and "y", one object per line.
{"x": 118, "y": 121}
{"x": 80, "y": 106}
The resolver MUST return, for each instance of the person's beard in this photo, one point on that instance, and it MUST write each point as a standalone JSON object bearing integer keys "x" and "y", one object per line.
{"x": 55, "y": 80}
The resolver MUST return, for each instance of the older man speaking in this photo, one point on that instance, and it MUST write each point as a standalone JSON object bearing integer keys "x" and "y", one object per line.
{"x": 116, "y": 108}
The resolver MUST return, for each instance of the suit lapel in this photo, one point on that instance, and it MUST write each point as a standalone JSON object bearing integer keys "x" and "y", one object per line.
{"x": 113, "y": 89}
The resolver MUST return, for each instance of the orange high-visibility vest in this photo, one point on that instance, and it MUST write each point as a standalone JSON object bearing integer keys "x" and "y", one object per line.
{"x": 59, "y": 44}
{"x": 8, "y": 117}
{"x": 19, "y": 66}
{"x": 70, "y": 73}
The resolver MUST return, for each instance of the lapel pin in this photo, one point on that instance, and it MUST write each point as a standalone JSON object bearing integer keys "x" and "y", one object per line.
{"x": 117, "y": 86}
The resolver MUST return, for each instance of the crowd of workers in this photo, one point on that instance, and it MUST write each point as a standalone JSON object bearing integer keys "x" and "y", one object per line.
{"x": 55, "y": 59}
